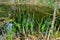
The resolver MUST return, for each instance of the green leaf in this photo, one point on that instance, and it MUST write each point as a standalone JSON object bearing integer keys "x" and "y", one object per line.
{"x": 43, "y": 27}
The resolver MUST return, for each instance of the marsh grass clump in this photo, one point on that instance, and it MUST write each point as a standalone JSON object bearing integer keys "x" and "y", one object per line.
{"x": 29, "y": 26}
{"x": 27, "y": 21}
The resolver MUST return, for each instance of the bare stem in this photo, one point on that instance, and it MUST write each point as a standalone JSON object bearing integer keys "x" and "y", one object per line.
{"x": 53, "y": 21}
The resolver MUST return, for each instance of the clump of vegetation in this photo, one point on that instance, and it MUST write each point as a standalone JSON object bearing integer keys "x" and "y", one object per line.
{"x": 29, "y": 22}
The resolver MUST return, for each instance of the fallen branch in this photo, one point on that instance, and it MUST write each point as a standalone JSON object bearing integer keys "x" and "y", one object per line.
{"x": 53, "y": 21}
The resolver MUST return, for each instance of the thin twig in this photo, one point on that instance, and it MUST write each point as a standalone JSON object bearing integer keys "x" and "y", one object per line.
{"x": 53, "y": 21}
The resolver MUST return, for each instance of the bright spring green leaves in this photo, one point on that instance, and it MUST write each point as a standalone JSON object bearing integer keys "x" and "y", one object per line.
{"x": 32, "y": 25}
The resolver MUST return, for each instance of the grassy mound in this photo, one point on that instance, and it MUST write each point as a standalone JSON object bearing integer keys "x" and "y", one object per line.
{"x": 39, "y": 11}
